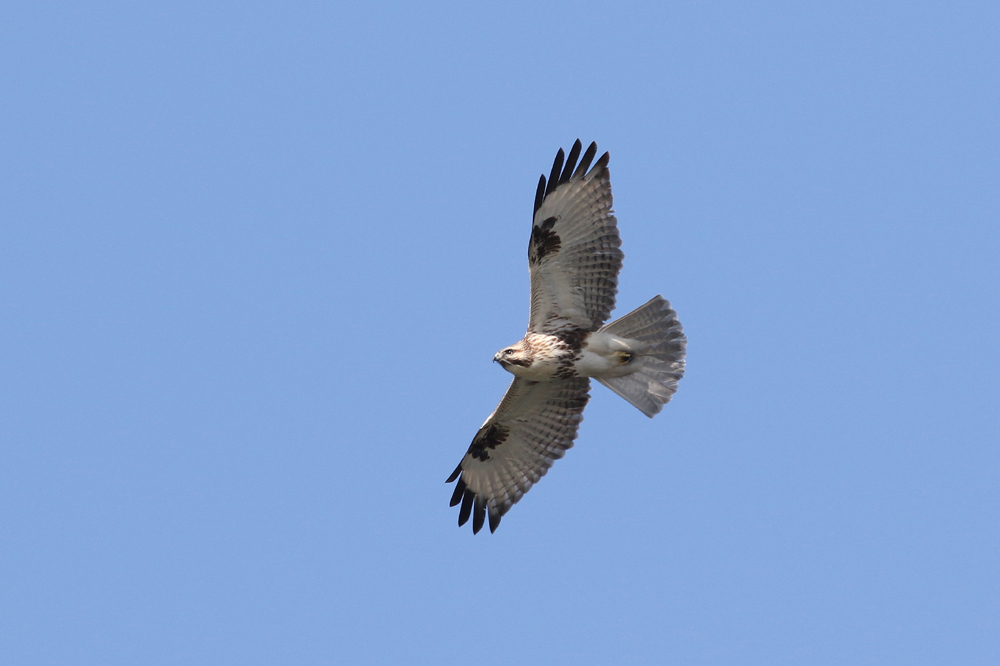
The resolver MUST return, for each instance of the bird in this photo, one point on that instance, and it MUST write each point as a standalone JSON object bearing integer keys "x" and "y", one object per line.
{"x": 574, "y": 257}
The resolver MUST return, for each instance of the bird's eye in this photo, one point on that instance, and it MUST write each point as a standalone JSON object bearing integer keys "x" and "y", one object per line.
{"x": 508, "y": 352}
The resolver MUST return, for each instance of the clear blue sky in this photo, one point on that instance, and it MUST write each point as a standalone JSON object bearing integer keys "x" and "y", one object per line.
{"x": 255, "y": 259}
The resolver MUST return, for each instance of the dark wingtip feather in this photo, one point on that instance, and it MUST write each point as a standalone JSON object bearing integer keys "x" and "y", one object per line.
{"x": 602, "y": 164}
{"x": 463, "y": 514}
{"x": 456, "y": 497}
{"x": 567, "y": 171}
{"x": 454, "y": 475}
{"x": 588, "y": 157}
{"x": 494, "y": 521}
{"x": 539, "y": 193}
{"x": 556, "y": 172}
{"x": 479, "y": 516}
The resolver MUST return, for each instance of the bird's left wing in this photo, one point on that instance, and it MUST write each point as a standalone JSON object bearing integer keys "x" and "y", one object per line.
{"x": 531, "y": 428}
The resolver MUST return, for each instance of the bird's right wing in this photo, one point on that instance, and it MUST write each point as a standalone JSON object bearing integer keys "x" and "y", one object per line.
{"x": 531, "y": 428}
{"x": 574, "y": 253}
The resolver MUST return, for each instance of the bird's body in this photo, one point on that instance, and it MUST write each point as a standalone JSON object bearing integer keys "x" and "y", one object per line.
{"x": 542, "y": 358}
{"x": 574, "y": 260}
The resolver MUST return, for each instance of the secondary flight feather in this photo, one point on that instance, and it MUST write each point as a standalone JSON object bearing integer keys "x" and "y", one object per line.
{"x": 574, "y": 258}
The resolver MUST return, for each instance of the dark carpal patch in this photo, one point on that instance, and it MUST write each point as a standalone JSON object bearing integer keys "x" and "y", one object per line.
{"x": 544, "y": 241}
{"x": 489, "y": 437}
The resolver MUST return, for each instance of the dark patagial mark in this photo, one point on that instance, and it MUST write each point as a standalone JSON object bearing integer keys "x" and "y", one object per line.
{"x": 489, "y": 437}
{"x": 544, "y": 241}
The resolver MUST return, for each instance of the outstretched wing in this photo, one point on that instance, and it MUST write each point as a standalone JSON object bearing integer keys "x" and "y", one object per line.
{"x": 573, "y": 254}
{"x": 531, "y": 428}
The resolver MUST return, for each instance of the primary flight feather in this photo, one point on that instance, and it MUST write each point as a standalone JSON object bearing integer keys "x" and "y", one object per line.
{"x": 574, "y": 258}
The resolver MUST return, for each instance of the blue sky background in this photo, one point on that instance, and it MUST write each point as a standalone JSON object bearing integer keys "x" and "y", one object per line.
{"x": 255, "y": 259}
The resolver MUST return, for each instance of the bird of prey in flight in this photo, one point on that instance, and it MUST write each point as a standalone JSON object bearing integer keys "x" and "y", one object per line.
{"x": 574, "y": 260}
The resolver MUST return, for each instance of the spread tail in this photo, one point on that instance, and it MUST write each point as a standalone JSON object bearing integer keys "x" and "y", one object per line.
{"x": 657, "y": 338}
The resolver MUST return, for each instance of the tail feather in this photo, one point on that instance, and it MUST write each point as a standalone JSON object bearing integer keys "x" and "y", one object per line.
{"x": 660, "y": 352}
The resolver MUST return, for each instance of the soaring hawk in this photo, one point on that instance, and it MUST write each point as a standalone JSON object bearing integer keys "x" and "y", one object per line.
{"x": 574, "y": 260}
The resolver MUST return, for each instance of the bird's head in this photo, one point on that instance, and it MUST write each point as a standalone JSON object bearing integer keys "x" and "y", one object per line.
{"x": 514, "y": 358}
